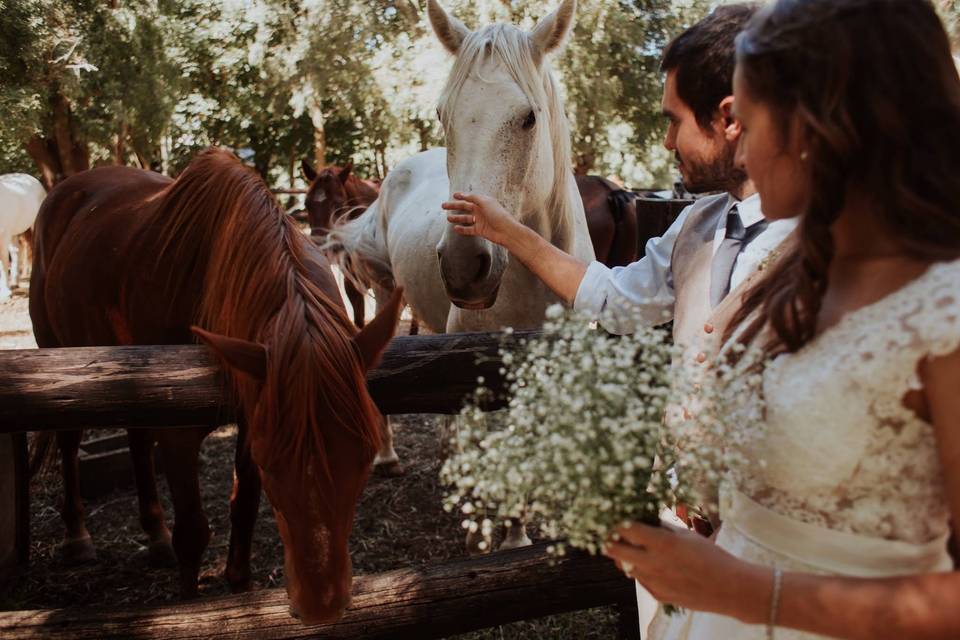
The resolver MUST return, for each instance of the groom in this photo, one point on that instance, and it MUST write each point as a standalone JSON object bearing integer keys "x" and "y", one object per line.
{"x": 721, "y": 239}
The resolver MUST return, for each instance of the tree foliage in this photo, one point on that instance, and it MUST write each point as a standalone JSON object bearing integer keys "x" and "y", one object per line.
{"x": 150, "y": 82}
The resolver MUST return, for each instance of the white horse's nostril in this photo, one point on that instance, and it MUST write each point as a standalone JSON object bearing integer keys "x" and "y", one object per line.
{"x": 483, "y": 269}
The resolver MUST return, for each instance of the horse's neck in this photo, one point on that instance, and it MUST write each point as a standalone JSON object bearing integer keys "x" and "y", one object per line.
{"x": 359, "y": 193}
{"x": 559, "y": 226}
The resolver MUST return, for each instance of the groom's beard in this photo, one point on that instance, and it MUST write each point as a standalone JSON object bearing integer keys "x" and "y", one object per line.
{"x": 720, "y": 174}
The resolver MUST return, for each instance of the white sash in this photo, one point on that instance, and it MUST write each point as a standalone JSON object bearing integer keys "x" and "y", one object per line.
{"x": 830, "y": 550}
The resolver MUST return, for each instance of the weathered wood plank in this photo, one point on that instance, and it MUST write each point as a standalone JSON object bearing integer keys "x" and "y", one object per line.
{"x": 442, "y": 600}
{"x": 181, "y": 385}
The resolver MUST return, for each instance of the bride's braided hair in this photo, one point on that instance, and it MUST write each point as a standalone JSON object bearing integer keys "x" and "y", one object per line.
{"x": 878, "y": 99}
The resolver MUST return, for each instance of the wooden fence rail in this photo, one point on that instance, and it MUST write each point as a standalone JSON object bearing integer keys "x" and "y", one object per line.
{"x": 175, "y": 386}
{"x": 435, "y": 602}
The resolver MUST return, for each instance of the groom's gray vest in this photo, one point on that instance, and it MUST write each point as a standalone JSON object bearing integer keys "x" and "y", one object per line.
{"x": 691, "y": 264}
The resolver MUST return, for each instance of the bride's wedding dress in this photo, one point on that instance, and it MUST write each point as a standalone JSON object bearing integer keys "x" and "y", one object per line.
{"x": 851, "y": 482}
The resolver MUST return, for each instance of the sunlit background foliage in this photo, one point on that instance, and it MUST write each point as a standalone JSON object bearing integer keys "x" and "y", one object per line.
{"x": 149, "y": 82}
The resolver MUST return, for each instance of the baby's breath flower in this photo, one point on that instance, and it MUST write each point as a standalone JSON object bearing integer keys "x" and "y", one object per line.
{"x": 601, "y": 430}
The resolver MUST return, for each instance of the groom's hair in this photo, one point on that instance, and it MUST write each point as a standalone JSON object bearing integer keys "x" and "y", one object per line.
{"x": 704, "y": 57}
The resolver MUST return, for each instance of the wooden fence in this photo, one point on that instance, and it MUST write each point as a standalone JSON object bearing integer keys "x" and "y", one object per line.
{"x": 175, "y": 386}
{"x": 441, "y": 600}
{"x": 171, "y": 386}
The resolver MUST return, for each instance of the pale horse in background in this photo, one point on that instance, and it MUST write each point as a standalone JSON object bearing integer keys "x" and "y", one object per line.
{"x": 20, "y": 198}
{"x": 507, "y": 137}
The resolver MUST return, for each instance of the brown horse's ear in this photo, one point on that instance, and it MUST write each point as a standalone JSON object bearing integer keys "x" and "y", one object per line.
{"x": 248, "y": 357}
{"x": 345, "y": 172}
{"x": 308, "y": 171}
{"x": 374, "y": 338}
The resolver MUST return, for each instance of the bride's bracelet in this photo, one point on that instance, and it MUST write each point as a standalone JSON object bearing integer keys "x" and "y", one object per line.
{"x": 774, "y": 602}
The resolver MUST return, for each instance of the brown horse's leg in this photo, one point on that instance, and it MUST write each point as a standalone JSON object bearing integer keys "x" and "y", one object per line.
{"x": 191, "y": 533}
{"x": 160, "y": 548}
{"x": 77, "y": 546}
{"x": 244, "y": 505}
{"x": 387, "y": 462}
{"x": 355, "y": 296}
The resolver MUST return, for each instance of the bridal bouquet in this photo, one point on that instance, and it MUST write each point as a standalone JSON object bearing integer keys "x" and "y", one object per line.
{"x": 583, "y": 445}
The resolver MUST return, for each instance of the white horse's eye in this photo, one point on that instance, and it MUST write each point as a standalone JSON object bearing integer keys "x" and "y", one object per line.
{"x": 530, "y": 121}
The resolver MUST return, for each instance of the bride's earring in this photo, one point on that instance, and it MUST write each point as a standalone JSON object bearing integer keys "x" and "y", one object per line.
{"x": 804, "y": 155}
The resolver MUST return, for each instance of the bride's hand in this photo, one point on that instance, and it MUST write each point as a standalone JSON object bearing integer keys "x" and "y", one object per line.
{"x": 481, "y": 216}
{"x": 684, "y": 569}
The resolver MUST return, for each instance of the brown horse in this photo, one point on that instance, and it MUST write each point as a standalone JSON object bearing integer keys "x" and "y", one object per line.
{"x": 125, "y": 256}
{"x": 612, "y": 220}
{"x": 336, "y": 193}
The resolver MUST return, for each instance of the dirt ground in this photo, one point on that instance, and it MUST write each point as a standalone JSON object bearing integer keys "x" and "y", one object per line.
{"x": 400, "y": 523}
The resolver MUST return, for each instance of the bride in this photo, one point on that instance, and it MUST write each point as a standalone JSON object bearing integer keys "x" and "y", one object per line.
{"x": 850, "y": 111}
{"x": 851, "y": 118}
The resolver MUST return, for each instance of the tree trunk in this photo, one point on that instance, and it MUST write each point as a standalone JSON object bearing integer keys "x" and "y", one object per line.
{"x": 74, "y": 153}
{"x": 44, "y": 155}
{"x": 319, "y": 135}
{"x": 382, "y": 167}
{"x": 119, "y": 149}
{"x": 165, "y": 146}
{"x": 423, "y": 132}
{"x": 142, "y": 159}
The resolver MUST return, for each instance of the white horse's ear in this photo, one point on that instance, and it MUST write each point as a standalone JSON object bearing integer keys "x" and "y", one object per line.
{"x": 449, "y": 30}
{"x": 551, "y": 32}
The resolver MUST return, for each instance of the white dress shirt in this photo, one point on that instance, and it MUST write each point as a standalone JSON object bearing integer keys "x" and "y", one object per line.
{"x": 641, "y": 293}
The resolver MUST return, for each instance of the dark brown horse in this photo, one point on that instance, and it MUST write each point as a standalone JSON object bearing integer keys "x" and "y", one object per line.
{"x": 612, "y": 220}
{"x": 336, "y": 193}
{"x": 125, "y": 256}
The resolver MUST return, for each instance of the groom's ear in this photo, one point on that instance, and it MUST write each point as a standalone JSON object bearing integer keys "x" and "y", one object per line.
{"x": 731, "y": 126}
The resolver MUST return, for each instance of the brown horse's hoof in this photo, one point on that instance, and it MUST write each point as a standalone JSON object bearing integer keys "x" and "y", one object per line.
{"x": 239, "y": 582}
{"x": 189, "y": 592}
{"x": 160, "y": 555}
{"x": 77, "y": 551}
{"x": 391, "y": 469}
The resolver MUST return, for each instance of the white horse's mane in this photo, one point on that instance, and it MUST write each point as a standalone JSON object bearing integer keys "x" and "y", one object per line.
{"x": 530, "y": 69}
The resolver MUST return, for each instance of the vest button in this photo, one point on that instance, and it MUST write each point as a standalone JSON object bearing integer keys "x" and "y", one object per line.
{"x": 708, "y": 328}
{"x": 701, "y": 357}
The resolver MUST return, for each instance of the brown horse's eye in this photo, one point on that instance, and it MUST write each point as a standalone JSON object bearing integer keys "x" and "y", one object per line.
{"x": 530, "y": 121}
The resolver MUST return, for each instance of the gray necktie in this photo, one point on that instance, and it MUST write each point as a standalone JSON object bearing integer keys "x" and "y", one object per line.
{"x": 726, "y": 257}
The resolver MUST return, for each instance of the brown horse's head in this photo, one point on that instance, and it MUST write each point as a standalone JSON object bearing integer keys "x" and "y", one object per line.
{"x": 334, "y": 193}
{"x": 314, "y": 445}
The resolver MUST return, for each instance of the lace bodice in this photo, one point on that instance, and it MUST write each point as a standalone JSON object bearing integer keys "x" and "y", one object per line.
{"x": 838, "y": 448}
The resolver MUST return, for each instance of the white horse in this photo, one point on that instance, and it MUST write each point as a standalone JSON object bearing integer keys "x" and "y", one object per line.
{"x": 507, "y": 137}
{"x": 20, "y": 198}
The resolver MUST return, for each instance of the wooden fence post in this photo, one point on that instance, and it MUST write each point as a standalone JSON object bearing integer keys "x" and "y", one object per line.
{"x": 14, "y": 507}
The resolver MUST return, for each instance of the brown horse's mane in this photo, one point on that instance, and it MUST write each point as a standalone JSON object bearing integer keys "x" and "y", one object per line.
{"x": 219, "y": 222}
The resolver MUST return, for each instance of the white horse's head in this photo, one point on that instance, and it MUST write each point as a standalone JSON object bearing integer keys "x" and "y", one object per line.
{"x": 507, "y": 137}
